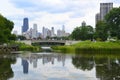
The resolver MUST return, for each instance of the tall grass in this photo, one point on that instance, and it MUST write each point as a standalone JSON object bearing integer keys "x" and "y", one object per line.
{"x": 26, "y": 47}
{"x": 90, "y": 47}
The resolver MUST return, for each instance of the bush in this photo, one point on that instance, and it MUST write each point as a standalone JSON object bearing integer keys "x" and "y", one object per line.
{"x": 26, "y": 47}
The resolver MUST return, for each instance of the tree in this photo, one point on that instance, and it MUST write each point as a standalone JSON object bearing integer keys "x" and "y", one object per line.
{"x": 20, "y": 37}
{"x": 101, "y": 30}
{"x": 6, "y": 27}
{"x": 12, "y": 37}
{"x": 83, "y": 63}
{"x": 113, "y": 19}
{"x": 6, "y": 71}
{"x": 76, "y": 33}
{"x": 83, "y": 33}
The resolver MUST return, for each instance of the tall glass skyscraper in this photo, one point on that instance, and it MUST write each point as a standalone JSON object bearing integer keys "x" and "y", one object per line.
{"x": 25, "y": 25}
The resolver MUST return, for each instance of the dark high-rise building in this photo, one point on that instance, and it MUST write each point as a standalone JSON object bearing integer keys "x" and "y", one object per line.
{"x": 83, "y": 23}
{"x": 25, "y": 65}
{"x": 104, "y": 9}
{"x": 25, "y": 25}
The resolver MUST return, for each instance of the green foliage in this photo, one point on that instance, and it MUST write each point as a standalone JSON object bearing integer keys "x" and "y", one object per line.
{"x": 20, "y": 37}
{"x": 83, "y": 63}
{"x": 90, "y": 47}
{"x": 113, "y": 21}
{"x": 64, "y": 49}
{"x": 106, "y": 67}
{"x": 12, "y": 37}
{"x": 5, "y": 68}
{"x": 101, "y": 30}
{"x": 6, "y": 27}
{"x": 26, "y": 47}
{"x": 82, "y": 33}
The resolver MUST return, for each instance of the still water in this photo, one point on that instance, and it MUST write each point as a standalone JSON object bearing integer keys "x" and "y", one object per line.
{"x": 56, "y": 66}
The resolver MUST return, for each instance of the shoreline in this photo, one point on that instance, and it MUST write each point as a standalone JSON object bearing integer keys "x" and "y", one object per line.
{"x": 90, "y": 47}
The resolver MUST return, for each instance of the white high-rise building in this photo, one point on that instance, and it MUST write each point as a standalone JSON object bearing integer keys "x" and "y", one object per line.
{"x": 34, "y": 31}
{"x": 63, "y": 28}
{"x": 52, "y": 32}
{"x": 59, "y": 33}
{"x": 45, "y": 30}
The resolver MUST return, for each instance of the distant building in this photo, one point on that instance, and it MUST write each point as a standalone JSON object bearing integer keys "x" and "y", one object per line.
{"x": 62, "y": 33}
{"x": 104, "y": 9}
{"x": 27, "y": 35}
{"x": 59, "y": 33}
{"x": 63, "y": 28}
{"x": 97, "y": 17}
{"x": 45, "y": 32}
{"x": 52, "y": 32}
{"x": 83, "y": 23}
{"x": 15, "y": 32}
{"x": 49, "y": 34}
{"x": 40, "y": 35}
{"x": 25, "y": 25}
{"x": 34, "y": 31}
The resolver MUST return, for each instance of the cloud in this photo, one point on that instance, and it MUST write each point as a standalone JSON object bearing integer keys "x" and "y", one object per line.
{"x": 50, "y": 13}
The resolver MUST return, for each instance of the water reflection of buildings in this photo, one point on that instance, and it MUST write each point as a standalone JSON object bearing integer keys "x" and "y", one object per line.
{"x": 25, "y": 65}
{"x": 46, "y": 58}
{"x": 51, "y": 58}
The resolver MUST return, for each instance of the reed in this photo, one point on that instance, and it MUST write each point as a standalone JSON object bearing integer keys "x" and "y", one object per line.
{"x": 90, "y": 47}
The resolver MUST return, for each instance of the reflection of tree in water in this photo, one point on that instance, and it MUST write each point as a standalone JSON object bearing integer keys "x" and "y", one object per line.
{"x": 83, "y": 63}
{"x": 109, "y": 69}
{"x": 5, "y": 68}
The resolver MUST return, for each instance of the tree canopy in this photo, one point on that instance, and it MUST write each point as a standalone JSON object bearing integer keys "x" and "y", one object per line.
{"x": 101, "y": 30}
{"x": 6, "y": 27}
{"x": 113, "y": 21}
{"x": 82, "y": 33}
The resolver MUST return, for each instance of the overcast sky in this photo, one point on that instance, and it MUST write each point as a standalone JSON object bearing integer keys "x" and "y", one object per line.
{"x": 52, "y": 13}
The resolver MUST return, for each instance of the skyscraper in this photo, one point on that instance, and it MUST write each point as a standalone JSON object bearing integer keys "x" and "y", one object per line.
{"x": 44, "y": 30}
{"x": 25, "y": 25}
{"x": 52, "y": 32}
{"x": 97, "y": 17}
{"x": 63, "y": 28}
{"x": 34, "y": 31}
{"x": 104, "y": 9}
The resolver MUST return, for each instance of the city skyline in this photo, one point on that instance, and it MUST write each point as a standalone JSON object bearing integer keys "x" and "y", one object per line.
{"x": 53, "y": 13}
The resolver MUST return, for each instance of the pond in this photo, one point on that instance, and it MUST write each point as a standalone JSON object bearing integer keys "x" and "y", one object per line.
{"x": 56, "y": 66}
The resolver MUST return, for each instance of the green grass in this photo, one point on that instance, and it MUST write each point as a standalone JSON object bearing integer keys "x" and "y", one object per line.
{"x": 26, "y": 47}
{"x": 90, "y": 47}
